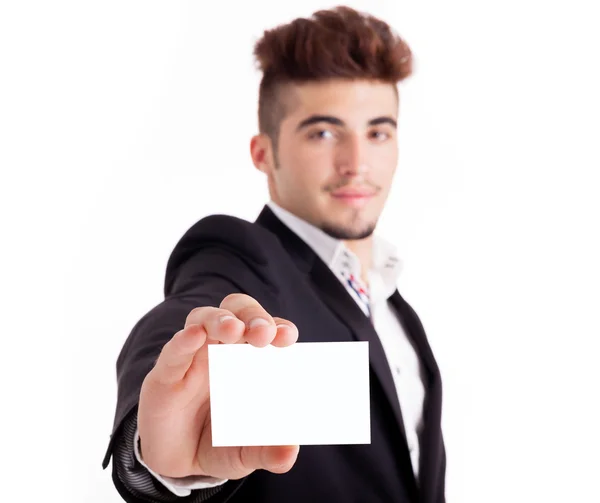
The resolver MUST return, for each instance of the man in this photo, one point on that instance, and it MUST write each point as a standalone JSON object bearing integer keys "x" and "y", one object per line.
{"x": 309, "y": 269}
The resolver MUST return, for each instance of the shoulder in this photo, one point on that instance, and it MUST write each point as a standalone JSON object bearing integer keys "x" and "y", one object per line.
{"x": 228, "y": 232}
{"x": 222, "y": 242}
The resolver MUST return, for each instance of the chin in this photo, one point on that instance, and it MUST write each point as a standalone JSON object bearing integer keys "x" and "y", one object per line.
{"x": 348, "y": 232}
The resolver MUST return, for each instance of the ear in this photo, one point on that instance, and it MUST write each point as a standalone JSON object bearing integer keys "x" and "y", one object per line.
{"x": 261, "y": 151}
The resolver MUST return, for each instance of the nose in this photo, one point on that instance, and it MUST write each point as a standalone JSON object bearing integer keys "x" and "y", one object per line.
{"x": 351, "y": 160}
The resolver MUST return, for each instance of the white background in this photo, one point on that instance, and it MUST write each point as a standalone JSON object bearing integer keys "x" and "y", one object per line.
{"x": 124, "y": 122}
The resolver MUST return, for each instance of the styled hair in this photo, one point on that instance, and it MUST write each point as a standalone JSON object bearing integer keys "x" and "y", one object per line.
{"x": 338, "y": 43}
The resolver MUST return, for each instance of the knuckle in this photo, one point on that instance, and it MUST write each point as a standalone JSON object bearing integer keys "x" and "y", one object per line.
{"x": 244, "y": 462}
{"x": 232, "y": 297}
{"x": 220, "y": 312}
{"x": 194, "y": 314}
{"x": 234, "y": 300}
{"x": 250, "y": 312}
{"x": 283, "y": 321}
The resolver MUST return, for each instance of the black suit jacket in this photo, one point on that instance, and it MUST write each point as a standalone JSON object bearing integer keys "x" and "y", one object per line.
{"x": 220, "y": 255}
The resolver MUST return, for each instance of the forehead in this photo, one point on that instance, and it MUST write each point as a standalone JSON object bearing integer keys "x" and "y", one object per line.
{"x": 352, "y": 101}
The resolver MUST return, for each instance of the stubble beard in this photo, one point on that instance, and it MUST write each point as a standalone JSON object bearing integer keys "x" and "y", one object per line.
{"x": 350, "y": 232}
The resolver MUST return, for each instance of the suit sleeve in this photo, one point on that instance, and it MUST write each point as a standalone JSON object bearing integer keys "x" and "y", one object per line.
{"x": 178, "y": 486}
{"x": 205, "y": 285}
{"x": 135, "y": 483}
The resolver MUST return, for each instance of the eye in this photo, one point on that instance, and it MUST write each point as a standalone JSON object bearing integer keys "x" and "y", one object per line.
{"x": 322, "y": 134}
{"x": 379, "y": 135}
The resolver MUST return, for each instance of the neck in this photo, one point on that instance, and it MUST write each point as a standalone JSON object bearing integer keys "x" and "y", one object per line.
{"x": 363, "y": 249}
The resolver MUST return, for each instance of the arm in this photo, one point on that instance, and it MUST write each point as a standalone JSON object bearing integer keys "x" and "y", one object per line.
{"x": 132, "y": 477}
{"x": 156, "y": 378}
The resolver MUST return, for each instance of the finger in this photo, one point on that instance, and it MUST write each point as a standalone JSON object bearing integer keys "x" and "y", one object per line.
{"x": 287, "y": 333}
{"x": 260, "y": 326}
{"x": 220, "y": 324}
{"x": 177, "y": 355}
{"x": 275, "y": 459}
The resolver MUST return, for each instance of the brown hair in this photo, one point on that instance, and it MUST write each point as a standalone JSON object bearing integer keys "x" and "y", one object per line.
{"x": 336, "y": 43}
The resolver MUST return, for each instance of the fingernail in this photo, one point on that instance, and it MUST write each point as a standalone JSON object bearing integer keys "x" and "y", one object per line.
{"x": 285, "y": 327}
{"x": 223, "y": 319}
{"x": 258, "y": 322}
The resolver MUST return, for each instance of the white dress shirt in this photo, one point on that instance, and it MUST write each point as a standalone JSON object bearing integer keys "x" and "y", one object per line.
{"x": 401, "y": 356}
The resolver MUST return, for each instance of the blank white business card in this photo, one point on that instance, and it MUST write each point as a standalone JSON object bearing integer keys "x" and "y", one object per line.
{"x": 304, "y": 394}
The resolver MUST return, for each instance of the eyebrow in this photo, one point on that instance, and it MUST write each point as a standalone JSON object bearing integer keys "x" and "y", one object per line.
{"x": 334, "y": 121}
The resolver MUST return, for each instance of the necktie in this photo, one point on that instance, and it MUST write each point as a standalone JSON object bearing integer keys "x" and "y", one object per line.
{"x": 361, "y": 291}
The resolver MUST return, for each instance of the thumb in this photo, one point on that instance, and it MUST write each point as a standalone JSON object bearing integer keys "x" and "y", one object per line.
{"x": 275, "y": 459}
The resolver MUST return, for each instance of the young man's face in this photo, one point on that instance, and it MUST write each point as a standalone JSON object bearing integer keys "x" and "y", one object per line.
{"x": 336, "y": 156}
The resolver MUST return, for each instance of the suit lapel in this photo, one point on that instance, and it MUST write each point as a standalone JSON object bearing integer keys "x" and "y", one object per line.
{"x": 431, "y": 435}
{"x": 416, "y": 333}
{"x": 339, "y": 301}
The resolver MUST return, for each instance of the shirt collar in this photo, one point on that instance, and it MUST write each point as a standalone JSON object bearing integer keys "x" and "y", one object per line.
{"x": 387, "y": 265}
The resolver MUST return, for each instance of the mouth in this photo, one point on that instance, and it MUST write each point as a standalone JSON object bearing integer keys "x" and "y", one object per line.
{"x": 353, "y": 197}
